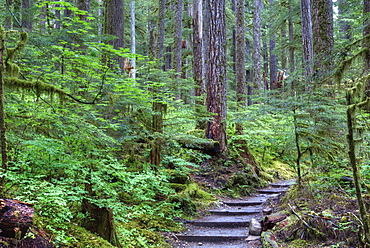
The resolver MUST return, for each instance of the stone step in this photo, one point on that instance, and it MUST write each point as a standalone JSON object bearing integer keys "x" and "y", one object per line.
{"x": 272, "y": 190}
{"x": 282, "y": 184}
{"x": 214, "y": 235}
{"x": 224, "y": 221}
{"x": 234, "y": 212}
{"x": 250, "y": 202}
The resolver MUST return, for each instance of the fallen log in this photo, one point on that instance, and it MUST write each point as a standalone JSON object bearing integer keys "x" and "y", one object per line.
{"x": 206, "y": 146}
{"x": 15, "y": 218}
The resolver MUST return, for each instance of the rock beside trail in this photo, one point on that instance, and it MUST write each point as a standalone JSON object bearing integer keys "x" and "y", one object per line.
{"x": 255, "y": 227}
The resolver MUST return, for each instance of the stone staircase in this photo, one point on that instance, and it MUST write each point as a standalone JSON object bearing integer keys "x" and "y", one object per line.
{"x": 228, "y": 225}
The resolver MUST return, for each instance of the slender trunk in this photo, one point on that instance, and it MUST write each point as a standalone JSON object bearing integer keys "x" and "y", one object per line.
{"x": 248, "y": 72}
{"x": 291, "y": 39}
{"x": 133, "y": 38}
{"x": 57, "y": 16}
{"x": 366, "y": 43}
{"x": 351, "y": 118}
{"x": 162, "y": 8}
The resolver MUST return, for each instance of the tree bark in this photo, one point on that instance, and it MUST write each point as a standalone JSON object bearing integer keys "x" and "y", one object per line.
{"x": 273, "y": 58}
{"x": 85, "y": 6}
{"x": 291, "y": 39}
{"x": 257, "y": 78}
{"x": 198, "y": 62}
{"x": 133, "y": 38}
{"x": 307, "y": 42}
{"x": 366, "y": 43}
{"x": 344, "y": 25}
{"x": 178, "y": 47}
{"x": 323, "y": 39}
{"x": 240, "y": 54}
{"x": 216, "y": 72}
{"x": 26, "y": 15}
{"x": 240, "y": 72}
{"x": 114, "y": 25}
{"x": 4, "y": 156}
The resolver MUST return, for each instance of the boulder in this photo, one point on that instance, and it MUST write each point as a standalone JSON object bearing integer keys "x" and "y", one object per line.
{"x": 255, "y": 227}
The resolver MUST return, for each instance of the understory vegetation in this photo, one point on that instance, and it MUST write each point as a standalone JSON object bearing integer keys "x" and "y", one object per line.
{"x": 84, "y": 140}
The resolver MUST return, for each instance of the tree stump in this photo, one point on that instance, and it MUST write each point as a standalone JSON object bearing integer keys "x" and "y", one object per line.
{"x": 15, "y": 218}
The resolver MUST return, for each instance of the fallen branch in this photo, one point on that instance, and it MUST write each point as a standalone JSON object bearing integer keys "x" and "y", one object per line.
{"x": 304, "y": 222}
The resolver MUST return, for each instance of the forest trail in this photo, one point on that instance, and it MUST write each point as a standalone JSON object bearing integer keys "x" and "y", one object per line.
{"x": 228, "y": 225}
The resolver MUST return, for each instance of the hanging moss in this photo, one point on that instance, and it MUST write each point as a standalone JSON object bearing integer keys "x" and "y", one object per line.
{"x": 36, "y": 86}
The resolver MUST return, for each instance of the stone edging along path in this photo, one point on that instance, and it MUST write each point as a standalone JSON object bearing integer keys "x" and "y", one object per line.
{"x": 228, "y": 226}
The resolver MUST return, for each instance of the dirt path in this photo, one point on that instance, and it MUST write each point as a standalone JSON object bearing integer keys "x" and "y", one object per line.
{"x": 228, "y": 225}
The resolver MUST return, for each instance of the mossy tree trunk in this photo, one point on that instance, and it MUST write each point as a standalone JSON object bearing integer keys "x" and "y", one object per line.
{"x": 4, "y": 157}
{"x": 101, "y": 219}
{"x": 351, "y": 119}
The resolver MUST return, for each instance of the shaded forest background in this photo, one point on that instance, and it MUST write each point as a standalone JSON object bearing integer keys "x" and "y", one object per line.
{"x": 127, "y": 115}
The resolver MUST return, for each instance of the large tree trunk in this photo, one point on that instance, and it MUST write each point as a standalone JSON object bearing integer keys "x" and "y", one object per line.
{"x": 216, "y": 72}
{"x": 273, "y": 59}
{"x": 240, "y": 59}
{"x": 344, "y": 25}
{"x": 114, "y": 25}
{"x": 257, "y": 78}
{"x": 4, "y": 156}
{"x": 85, "y": 6}
{"x": 198, "y": 63}
{"x": 307, "y": 41}
{"x": 323, "y": 39}
{"x": 178, "y": 47}
{"x": 26, "y": 15}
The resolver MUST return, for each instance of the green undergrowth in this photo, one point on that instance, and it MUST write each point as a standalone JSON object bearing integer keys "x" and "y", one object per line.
{"x": 321, "y": 213}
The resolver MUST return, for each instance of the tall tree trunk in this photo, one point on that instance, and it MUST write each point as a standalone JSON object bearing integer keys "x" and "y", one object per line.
{"x": 4, "y": 157}
{"x": 323, "y": 39}
{"x": 283, "y": 55}
{"x": 291, "y": 39}
{"x": 216, "y": 72}
{"x": 133, "y": 38}
{"x": 85, "y": 6}
{"x": 351, "y": 119}
{"x": 249, "y": 71}
{"x": 344, "y": 25}
{"x": 240, "y": 57}
{"x": 157, "y": 105}
{"x": 8, "y": 16}
{"x": 57, "y": 16}
{"x": 307, "y": 42}
{"x": 43, "y": 17}
{"x": 26, "y": 15}
{"x": 366, "y": 43}
{"x": 206, "y": 40}
{"x": 198, "y": 62}
{"x": 114, "y": 25}
{"x": 178, "y": 47}
{"x": 273, "y": 58}
{"x": 161, "y": 15}
{"x": 257, "y": 78}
